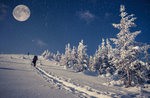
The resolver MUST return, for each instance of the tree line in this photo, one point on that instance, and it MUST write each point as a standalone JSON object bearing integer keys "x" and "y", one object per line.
{"x": 129, "y": 59}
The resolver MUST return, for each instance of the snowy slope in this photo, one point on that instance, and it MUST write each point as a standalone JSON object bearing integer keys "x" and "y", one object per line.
{"x": 19, "y": 80}
{"x": 60, "y": 82}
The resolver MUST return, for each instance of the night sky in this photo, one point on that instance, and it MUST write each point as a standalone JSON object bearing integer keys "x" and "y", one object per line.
{"x": 54, "y": 23}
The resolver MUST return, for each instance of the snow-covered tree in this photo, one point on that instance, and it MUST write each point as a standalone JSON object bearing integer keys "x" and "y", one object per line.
{"x": 110, "y": 54}
{"x": 57, "y": 56}
{"x": 128, "y": 61}
{"x": 47, "y": 55}
{"x": 74, "y": 56}
{"x": 82, "y": 57}
{"x": 103, "y": 57}
{"x": 63, "y": 60}
{"x": 110, "y": 50}
{"x": 66, "y": 58}
{"x": 97, "y": 61}
{"x": 147, "y": 60}
{"x": 91, "y": 64}
{"x": 147, "y": 57}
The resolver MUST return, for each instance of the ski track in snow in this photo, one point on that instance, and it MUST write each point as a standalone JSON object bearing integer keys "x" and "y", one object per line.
{"x": 81, "y": 91}
{"x": 87, "y": 92}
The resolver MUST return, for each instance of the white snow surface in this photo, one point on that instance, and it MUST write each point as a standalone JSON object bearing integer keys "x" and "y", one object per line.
{"x": 19, "y": 79}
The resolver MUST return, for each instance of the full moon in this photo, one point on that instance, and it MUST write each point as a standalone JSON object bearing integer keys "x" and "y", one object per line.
{"x": 21, "y": 13}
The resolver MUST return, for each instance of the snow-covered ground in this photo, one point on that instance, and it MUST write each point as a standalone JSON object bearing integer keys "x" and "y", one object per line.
{"x": 19, "y": 80}
{"x": 50, "y": 80}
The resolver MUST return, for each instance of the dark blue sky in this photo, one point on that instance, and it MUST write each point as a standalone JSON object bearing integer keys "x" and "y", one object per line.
{"x": 54, "y": 23}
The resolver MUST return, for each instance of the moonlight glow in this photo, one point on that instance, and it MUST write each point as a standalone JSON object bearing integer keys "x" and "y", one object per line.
{"x": 21, "y": 13}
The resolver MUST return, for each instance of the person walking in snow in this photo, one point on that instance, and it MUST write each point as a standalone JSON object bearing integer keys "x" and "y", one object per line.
{"x": 28, "y": 53}
{"x": 34, "y": 60}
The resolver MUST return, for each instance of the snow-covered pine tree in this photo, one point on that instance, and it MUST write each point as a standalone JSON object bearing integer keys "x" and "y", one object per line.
{"x": 82, "y": 57}
{"x": 57, "y": 56}
{"x": 147, "y": 57}
{"x": 110, "y": 54}
{"x": 91, "y": 65}
{"x": 66, "y": 58}
{"x": 97, "y": 60}
{"x": 63, "y": 60}
{"x": 147, "y": 60}
{"x": 128, "y": 62}
{"x": 46, "y": 54}
{"x": 74, "y": 56}
{"x": 103, "y": 56}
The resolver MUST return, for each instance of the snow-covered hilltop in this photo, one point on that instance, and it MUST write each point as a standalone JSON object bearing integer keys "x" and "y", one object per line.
{"x": 20, "y": 79}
